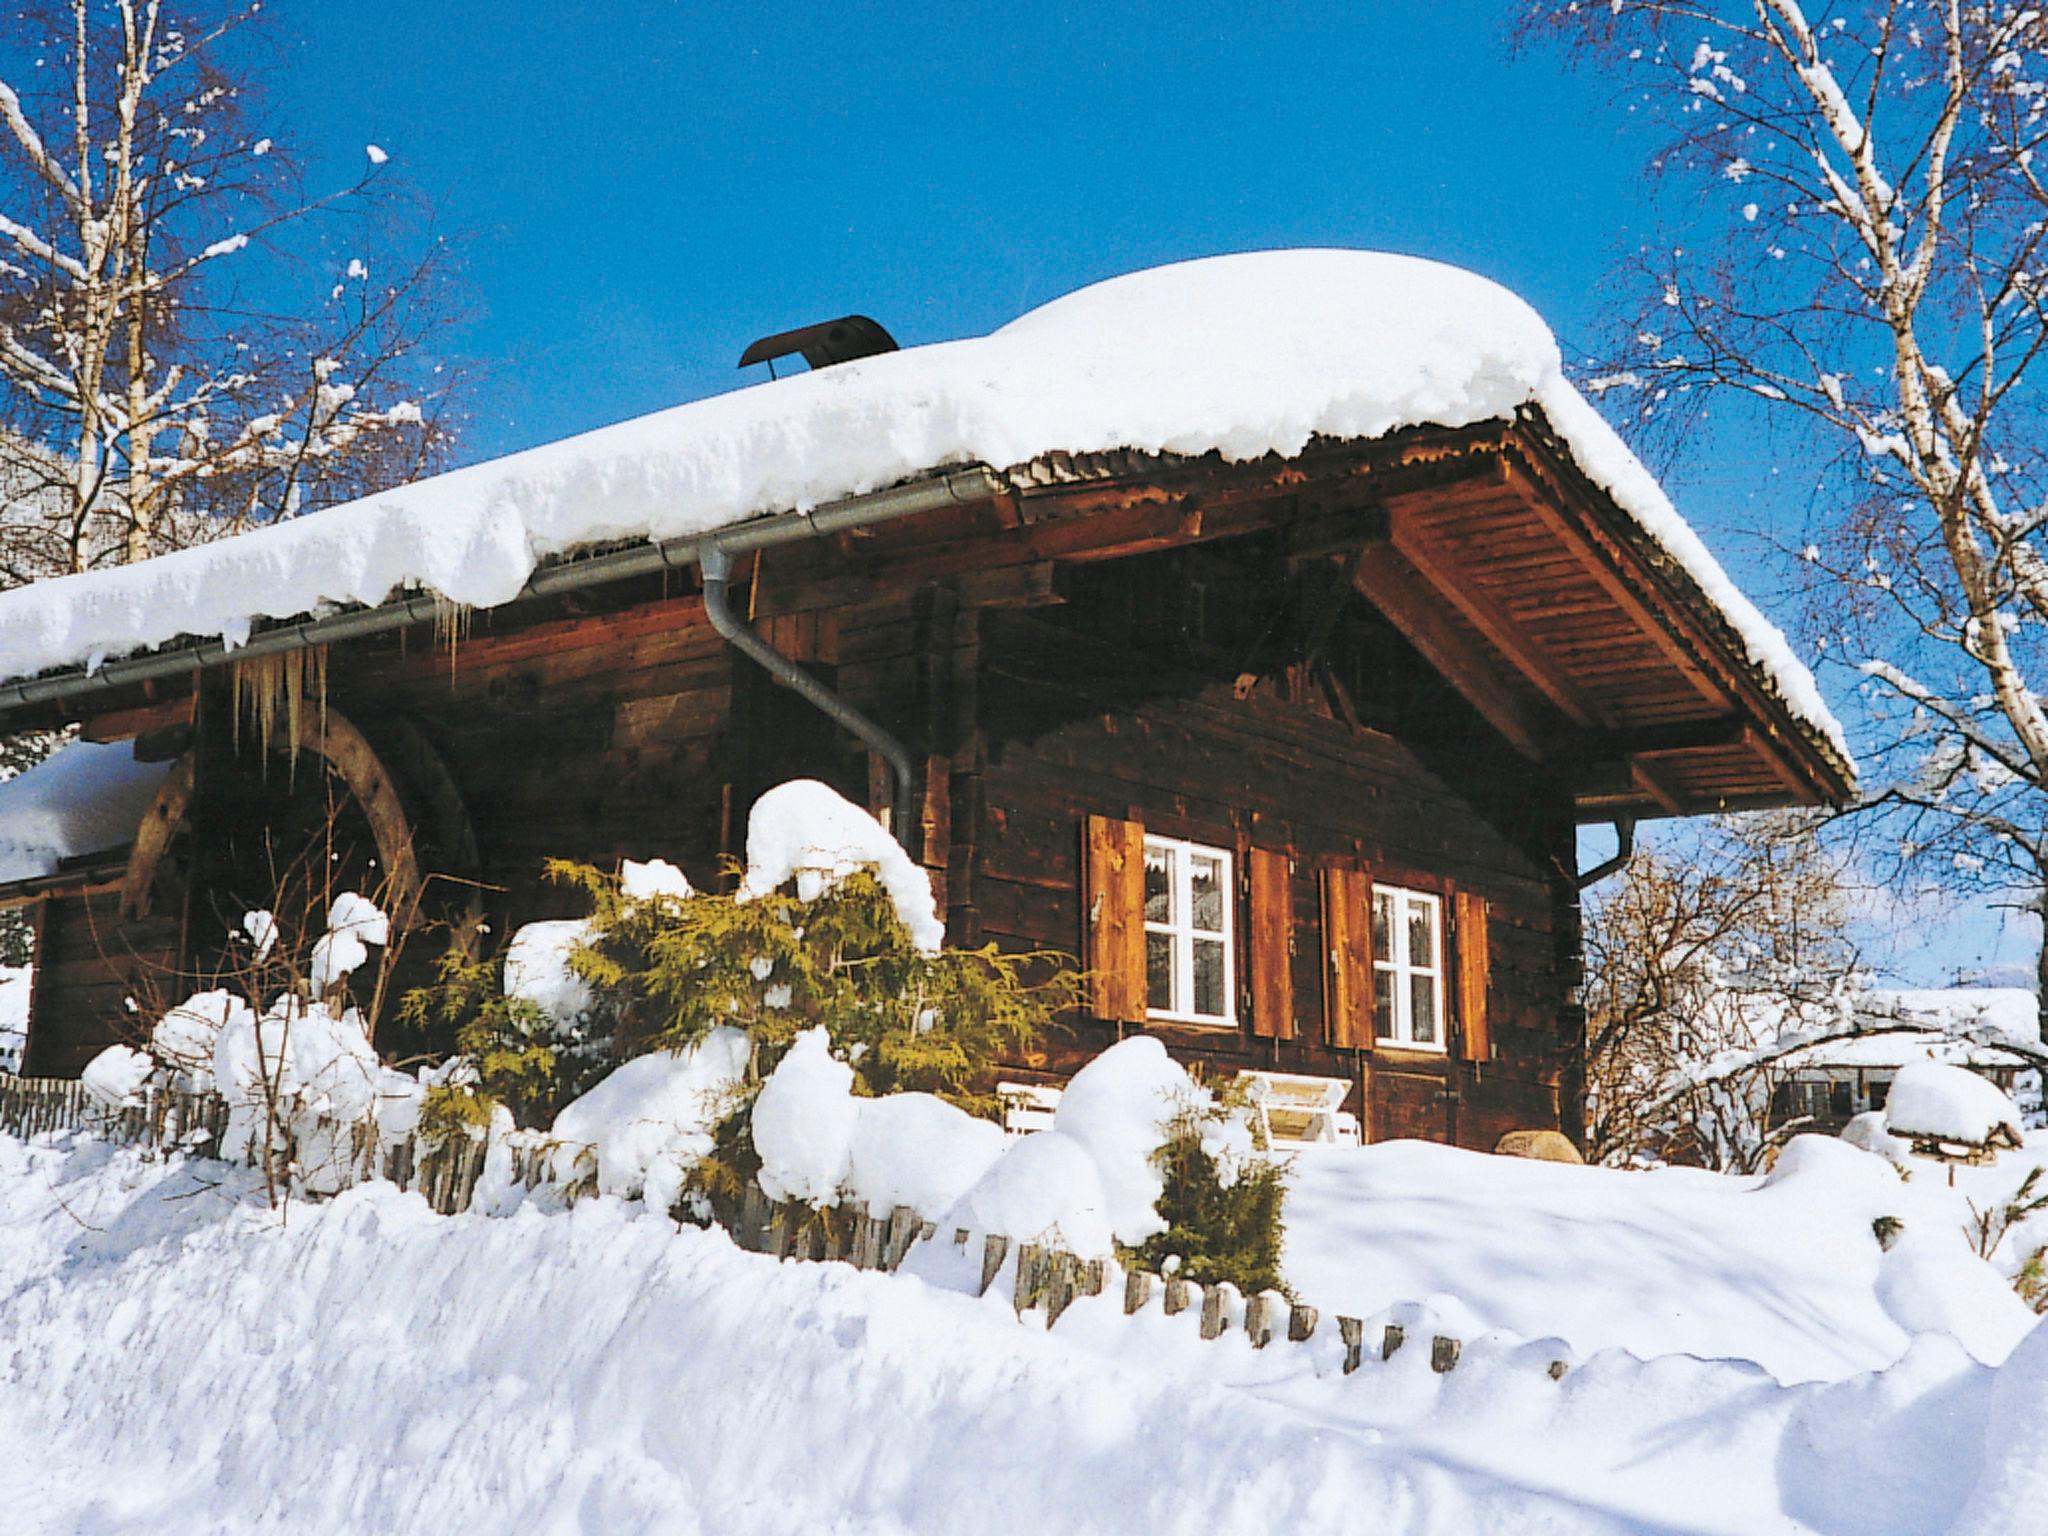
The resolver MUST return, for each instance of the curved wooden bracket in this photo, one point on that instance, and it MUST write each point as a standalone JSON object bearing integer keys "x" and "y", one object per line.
{"x": 153, "y": 836}
{"x": 330, "y": 735}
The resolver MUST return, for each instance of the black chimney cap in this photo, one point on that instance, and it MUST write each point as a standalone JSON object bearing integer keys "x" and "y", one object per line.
{"x": 823, "y": 344}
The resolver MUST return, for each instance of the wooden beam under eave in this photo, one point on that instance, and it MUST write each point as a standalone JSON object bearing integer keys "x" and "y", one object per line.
{"x": 1501, "y": 631}
{"x": 1652, "y": 784}
{"x": 143, "y": 720}
{"x": 1393, "y": 585}
{"x": 1781, "y": 767}
{"x": 1575, "y": 539}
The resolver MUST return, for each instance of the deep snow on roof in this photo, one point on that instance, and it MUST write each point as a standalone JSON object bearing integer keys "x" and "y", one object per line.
{"x": 1241, "y": 355}
{"x": 86, "y": 797}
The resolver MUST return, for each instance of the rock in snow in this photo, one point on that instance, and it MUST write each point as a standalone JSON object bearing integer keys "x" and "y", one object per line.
{"x": 1292, "y": 345}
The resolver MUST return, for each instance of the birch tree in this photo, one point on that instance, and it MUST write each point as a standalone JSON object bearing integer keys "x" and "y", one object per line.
{"x": 192, "y": 341}
{"x": 1860, "y": 259}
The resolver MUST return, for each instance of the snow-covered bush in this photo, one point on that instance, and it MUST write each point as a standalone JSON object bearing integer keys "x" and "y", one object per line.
{"x": 1223, "y": 1203}
{"x": 830, "y": 925}
{"x": 1142, "y": 1162}
{"x": 643, "y": 1130}
{"x": 287, "y": 1048}
{"x": 527, "y": 1025}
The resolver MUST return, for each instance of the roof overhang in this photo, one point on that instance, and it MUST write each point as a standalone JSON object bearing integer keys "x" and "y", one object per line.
{"x": 1588, "y": 647}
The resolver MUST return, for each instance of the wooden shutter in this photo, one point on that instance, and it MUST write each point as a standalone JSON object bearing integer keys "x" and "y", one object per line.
{"x": 1272, "y": 930}
{"x": 1113, "y": 917}
{"x": 1475, "y": 971}
{"x": 1347, "y": 957}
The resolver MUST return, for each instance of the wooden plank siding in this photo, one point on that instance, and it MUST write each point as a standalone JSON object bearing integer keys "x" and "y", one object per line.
{"x": 1084, "y": 717}
{"x": 1192, "y": 655}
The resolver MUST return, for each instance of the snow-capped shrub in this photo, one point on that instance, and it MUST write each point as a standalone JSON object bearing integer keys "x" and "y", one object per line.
{"x": 643, "y": 1128}
{"x": 184, "y": 1039}
{"x": 1142, "y": 1162}
{"x": 815, "y": 1142}
{"x": 115, "y": 1075}
{"x": 806, "y": 942}
{"x": 532, "y": 1036}
{"x": 1222, "y": 1202}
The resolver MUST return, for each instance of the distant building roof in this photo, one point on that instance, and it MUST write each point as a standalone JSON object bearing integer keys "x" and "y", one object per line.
{"x": 1963, "y": 1025}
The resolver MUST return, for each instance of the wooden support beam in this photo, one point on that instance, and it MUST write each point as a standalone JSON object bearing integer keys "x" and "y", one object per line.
{"x": 125, "y": 724}
{"x": 1653, "y": 785}
{"x": 1667, "y": 740}
{"x": 159, "y": 825}
{"x": 1539, "y": 500}
{"x": 1398, "y": 590}
{"x": 1501, "y": 631}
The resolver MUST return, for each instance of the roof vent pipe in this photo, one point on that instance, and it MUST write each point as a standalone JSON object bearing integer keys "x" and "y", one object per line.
{"x": 716, "y": 564}
{"x": 1624, "y": 850}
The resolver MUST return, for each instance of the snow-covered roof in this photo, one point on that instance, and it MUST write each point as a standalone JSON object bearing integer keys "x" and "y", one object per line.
{"x": 83, "y": 798}
{"x": 1243, "y": 356}
{"x": 1962, "y": 1028}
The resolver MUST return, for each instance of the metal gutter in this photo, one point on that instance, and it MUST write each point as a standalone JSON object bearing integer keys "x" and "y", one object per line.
{"x": 975, "y": 482}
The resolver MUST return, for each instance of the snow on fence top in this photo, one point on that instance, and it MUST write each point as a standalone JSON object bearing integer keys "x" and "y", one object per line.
{"x": 1241, "y": 355}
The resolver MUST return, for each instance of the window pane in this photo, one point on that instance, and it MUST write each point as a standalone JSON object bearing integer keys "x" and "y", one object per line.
{"x": 1421, "y": 934}
{"x": 1424, "y": 1022}
{"x": 1382, "y": 926}
{"x": 1209, "y": 999}
{"x": 1383, "y": 1005}
{"x": 1159, "y": 971}
{"x": 1206, "y": 878}
{"x": 1158, "y": 885}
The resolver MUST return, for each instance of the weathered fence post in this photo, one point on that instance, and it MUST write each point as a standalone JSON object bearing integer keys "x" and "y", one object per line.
{"x": 1301, "y": 1323}
{"x": 1352, "y": 1331}
{"x": 1137, "y": 1290}
{"x": 993, "y": 1252}
{"x": 1392, "y": 1340}
{"x": 1443, "y": 1354}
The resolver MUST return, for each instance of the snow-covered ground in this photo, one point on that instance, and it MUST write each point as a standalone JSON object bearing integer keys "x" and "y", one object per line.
{"x": 174, "y": 1358}
{"x": 1781, "y": 1270}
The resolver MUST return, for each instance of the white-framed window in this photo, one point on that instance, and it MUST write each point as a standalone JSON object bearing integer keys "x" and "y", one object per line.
{"x": 1188, "y": 933}
{"x": 1407, "y": 967}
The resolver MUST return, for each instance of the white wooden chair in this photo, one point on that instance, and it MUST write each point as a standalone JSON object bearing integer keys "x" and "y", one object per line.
{"x": 1294, "y": 1109}
{"x": 1027, "y": 1107}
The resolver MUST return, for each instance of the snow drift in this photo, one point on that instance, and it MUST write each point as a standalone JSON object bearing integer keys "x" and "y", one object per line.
{"x": 175, "y": 1360}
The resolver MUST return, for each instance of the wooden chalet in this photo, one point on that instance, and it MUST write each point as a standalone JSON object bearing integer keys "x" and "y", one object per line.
{"x": 1292, "y": 752}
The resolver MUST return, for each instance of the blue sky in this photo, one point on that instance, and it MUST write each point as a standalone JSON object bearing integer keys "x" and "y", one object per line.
{"x": 641, "y": 187}
{"x": 644, "y": 187}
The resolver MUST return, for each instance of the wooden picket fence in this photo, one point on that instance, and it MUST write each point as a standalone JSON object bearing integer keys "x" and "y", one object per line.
{"x": 447, "y": 1173}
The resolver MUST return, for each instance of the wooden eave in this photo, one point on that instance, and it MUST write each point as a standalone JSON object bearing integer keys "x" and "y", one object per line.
{"x": 1544, "y": 604}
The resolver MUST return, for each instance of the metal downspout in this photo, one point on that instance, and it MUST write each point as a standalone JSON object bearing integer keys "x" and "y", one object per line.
{"x": 1624, "y": 850}
{"x": 715, "y": 561}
